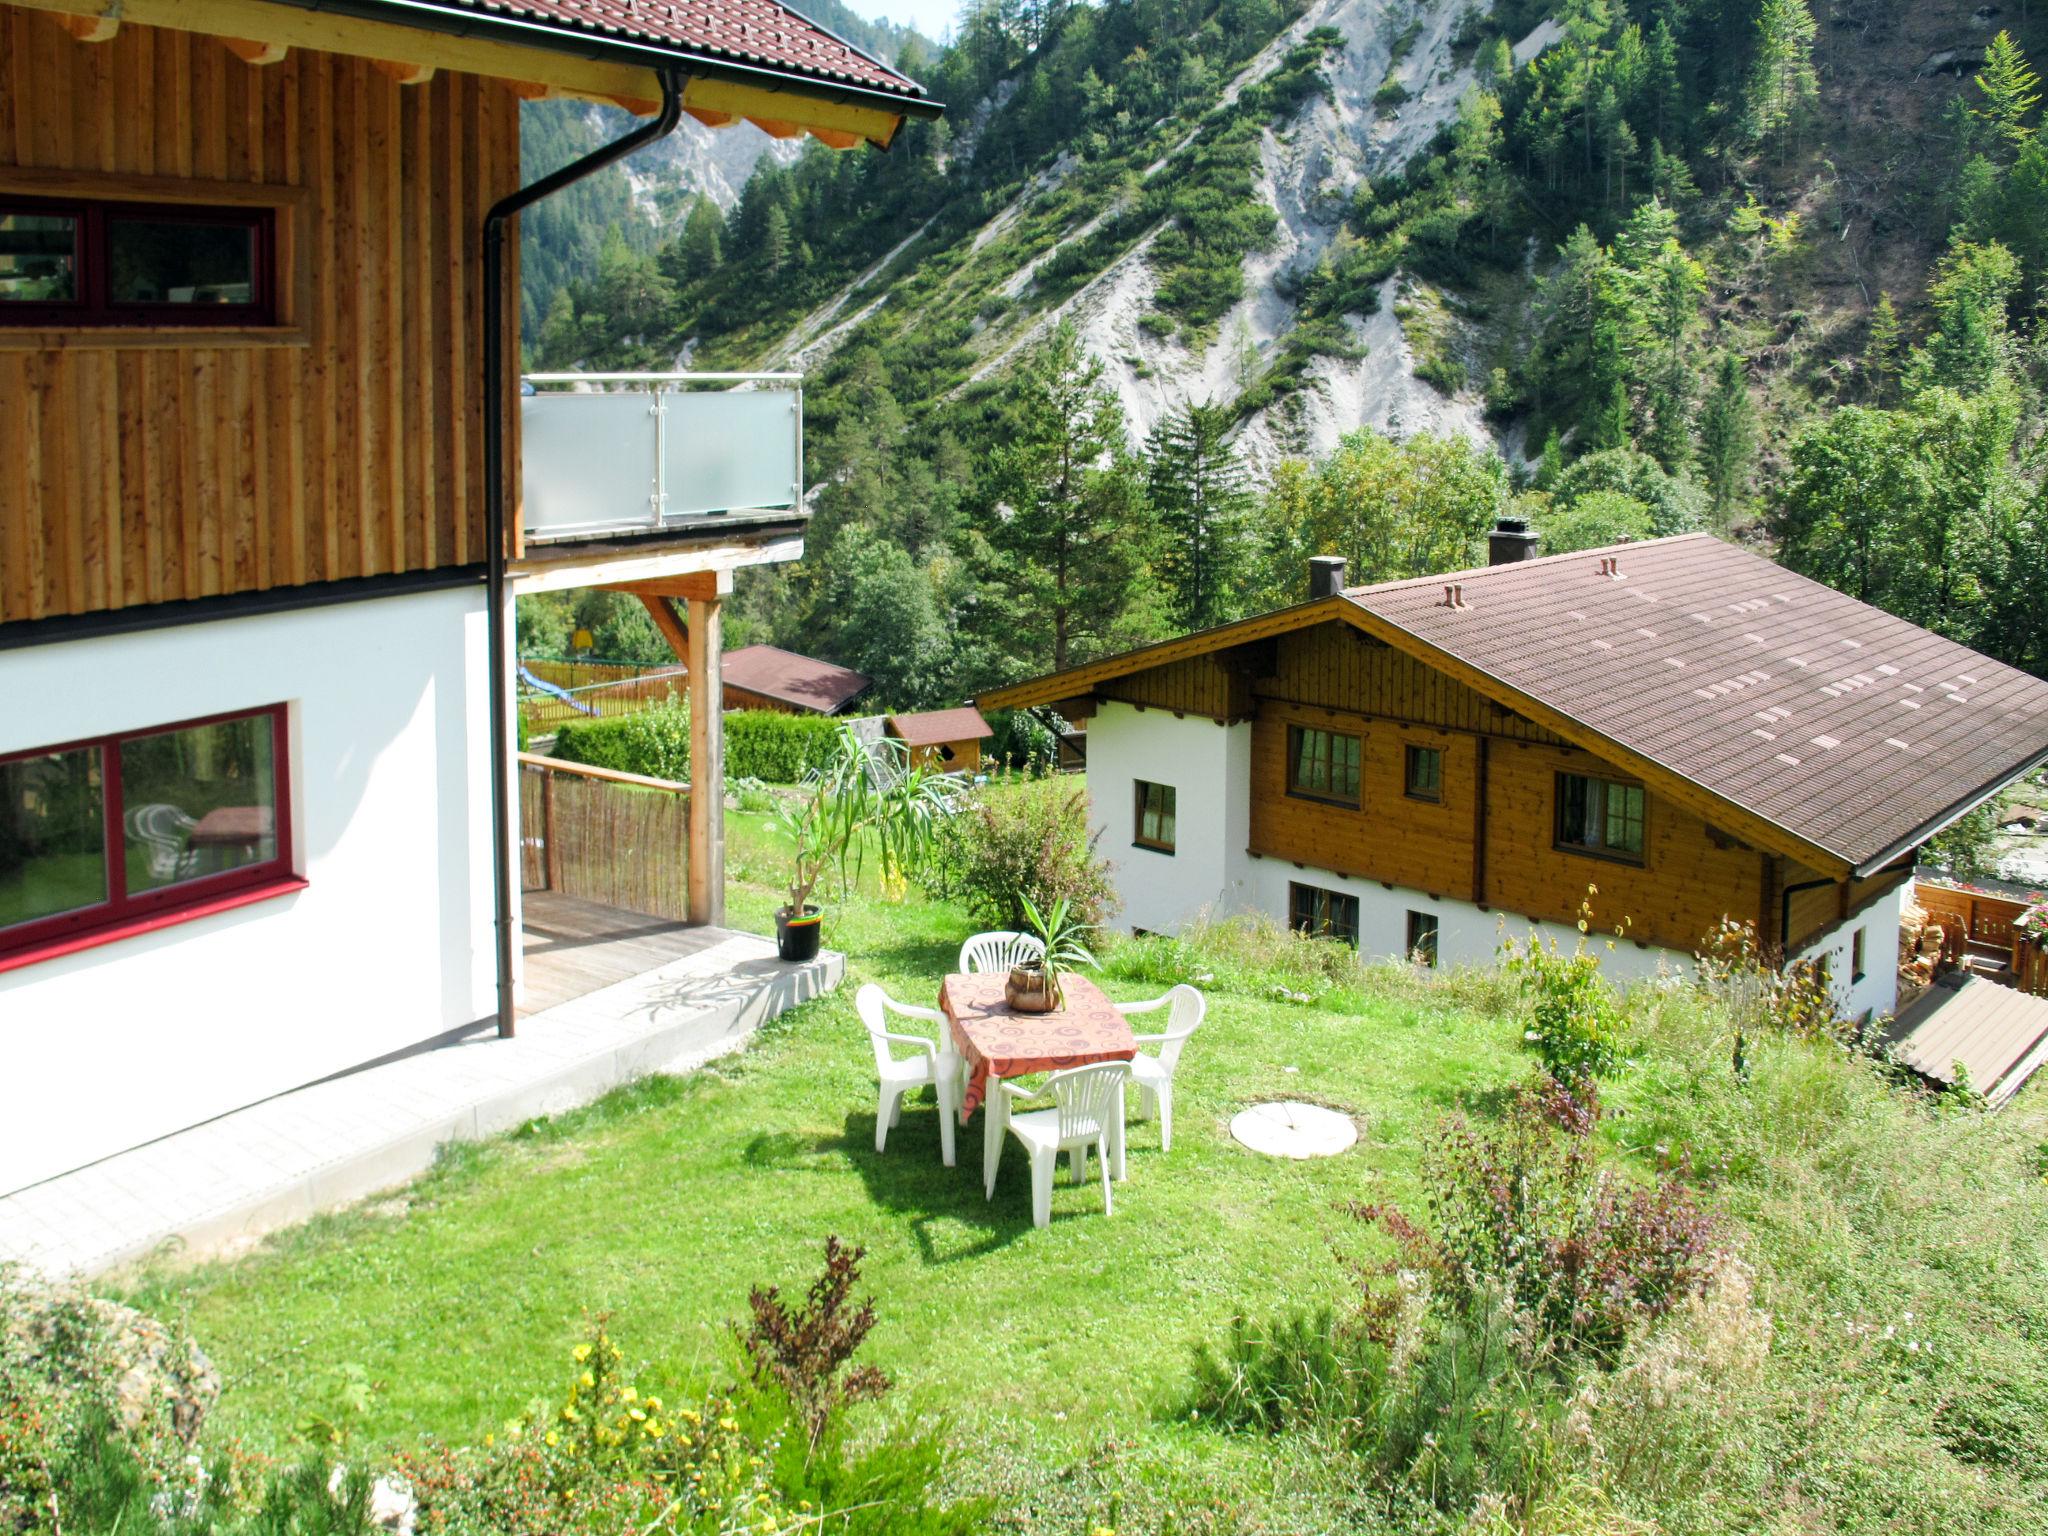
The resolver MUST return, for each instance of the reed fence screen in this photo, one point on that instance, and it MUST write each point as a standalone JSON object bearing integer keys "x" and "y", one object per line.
{"x": 599, "y": 688}
{"x": 603, "y": 838}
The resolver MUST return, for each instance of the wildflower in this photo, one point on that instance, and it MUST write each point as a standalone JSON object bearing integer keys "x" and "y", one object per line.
{"x": 728, "y": 1425}
{"x": 553, "y": 1438}
{"x": 586, "y": 1379}
{"x": 636, "y": 1413}
{"x": 627, "y": 1394}
{"x": 581, "y": 1352}
{"x": 569, "y": 1413}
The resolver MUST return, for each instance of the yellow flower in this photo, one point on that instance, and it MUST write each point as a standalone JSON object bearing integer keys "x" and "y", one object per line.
{"x": 582, "y": 1353}
{"x": 653, "y": 1403}
{"x": 628, "y": 1394}
{"x": 636, "y": 1413}
{"x": 654, "y": 1429}
{"x": 569, "y": 1413}
{"x": 553, "y": 1438}
{"x": 692, "y": 1415}
{"x": 586, "y": 1379}
{"x": 728, "y": 1425}
{"x": 489, "y": 1441}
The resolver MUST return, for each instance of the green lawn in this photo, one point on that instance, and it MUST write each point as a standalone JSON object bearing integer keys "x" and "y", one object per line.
{"x": 662, "y": 1204}
{"x": 1900, "y": 1249}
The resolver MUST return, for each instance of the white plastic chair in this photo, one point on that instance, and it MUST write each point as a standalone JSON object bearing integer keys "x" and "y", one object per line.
{"x": 999, "y": 951}
{"x": 1087, "y": 1112}
{"x": 165, "y": 831}
{"x": 1154, "y": 1074}
{"x": 898, "y": 1075}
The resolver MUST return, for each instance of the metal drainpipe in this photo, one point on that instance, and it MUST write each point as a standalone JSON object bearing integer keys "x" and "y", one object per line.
{"x": 502, "y": 212}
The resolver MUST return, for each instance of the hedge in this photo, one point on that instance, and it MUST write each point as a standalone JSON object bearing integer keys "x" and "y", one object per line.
{"x": 760, "y": 744}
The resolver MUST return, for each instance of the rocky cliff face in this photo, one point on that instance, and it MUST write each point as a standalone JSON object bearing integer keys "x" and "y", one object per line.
{"x": 1310, "y": 168}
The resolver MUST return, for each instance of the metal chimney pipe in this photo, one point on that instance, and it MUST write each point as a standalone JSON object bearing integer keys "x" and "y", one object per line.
{"x": 1325, "y": 576}
{"x": 1510, "y": 542}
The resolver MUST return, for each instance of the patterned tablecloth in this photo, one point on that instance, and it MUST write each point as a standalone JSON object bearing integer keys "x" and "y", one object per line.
{"x": 997, "y": 1041}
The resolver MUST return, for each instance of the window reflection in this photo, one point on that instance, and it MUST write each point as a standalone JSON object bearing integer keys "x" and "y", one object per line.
{"x": 198, "y": 801}
{"x": 38, "y": 258}
{"x": 180, "y": 261}
{"x": 52, "y": 850}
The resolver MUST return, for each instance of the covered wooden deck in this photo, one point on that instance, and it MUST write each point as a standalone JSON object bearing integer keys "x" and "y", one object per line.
{"x": 1997, "y": 1033}
{"x": 573, "y": 948}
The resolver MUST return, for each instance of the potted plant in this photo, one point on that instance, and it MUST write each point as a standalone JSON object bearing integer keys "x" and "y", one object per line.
{"x": 1035, "y": 985}
{"x": 860, "y": 796}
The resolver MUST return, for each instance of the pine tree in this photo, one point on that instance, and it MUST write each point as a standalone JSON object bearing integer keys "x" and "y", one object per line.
{"x": 774, "y": 239}
{"x": 1069, "y": 531}
{"x": 703, "y": 240}
{"x": 1881, "y": 350}
{"x": 1727, "y": 437}
{"x": 1199, "y": 494}
{"x": 1782, "y": 86}
{"x": 2011, "y": 90}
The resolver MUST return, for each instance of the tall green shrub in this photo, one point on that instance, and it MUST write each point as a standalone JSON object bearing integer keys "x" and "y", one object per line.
{"x": 759, "y": 743}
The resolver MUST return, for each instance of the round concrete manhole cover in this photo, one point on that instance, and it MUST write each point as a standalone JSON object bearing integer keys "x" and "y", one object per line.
{"x": 1294, "y": 1130}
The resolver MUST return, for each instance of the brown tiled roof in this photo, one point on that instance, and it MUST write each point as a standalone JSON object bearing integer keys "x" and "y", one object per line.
{"x": 758, "y": 34}
{"x": 1850, "y": 728}
{"x": 802, "y": 682}
{"x": 932, "y": 727}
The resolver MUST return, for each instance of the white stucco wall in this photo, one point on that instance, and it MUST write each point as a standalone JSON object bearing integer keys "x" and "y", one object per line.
{"x": 1209, "y": 767}
{"x": 1877, "y": 994}
{"x": 389, "y": 944}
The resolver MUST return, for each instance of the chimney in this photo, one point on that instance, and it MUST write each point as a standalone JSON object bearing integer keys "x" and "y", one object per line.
{"x": 1510, "y": 542}
{"x": 1325, "y": 576}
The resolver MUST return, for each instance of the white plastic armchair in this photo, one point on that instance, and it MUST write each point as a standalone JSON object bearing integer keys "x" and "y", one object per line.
{"x": 1087, "y": 1112}
{"x": 999, "y": 951}
{"x": 899, "y": 1075}
{"x": 166, "y": 832}
{"x": 1154, "y": 1074}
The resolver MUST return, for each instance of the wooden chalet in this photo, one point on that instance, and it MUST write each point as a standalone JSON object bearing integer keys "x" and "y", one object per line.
{"x": 950, "y": 740}
{"x": 1676, "y": 731}
{"x": 268, "y": 484}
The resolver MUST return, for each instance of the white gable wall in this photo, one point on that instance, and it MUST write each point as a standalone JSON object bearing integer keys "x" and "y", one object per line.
{"x": 1209, "y": 767}
{"x": 1877, "y": 993}
{"x": 390, "y": 943}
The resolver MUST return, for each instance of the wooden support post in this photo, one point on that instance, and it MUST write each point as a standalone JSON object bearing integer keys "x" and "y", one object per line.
{"x": 707, "y": 754}
{"x": 663, "y": 612}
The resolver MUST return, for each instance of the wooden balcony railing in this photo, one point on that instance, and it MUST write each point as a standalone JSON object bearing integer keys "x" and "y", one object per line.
{"x": 1979, "y": 918}
{"x": 619, "y": 839}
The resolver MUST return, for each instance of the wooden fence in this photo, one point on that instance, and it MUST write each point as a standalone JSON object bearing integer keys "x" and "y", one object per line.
{"x": 600, "y": 687}
{"x": 1977, "y": 917}
{"x": 614, "y": 838}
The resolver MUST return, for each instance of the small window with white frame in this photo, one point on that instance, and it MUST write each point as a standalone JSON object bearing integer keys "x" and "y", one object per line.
{"x": 1155, "y": 817}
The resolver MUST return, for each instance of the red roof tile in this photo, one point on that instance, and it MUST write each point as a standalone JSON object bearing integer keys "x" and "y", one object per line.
{"x": 758, "y": 33}
{"x": 1841, "y": 723}
{"x": 802, "y": 682}
{"x": 932, "y": 727}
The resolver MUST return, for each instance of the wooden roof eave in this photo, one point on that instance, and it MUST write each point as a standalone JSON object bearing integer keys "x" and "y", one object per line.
{"x": 1703, "y": 802}
{"x": 1054, "y": 686}
{"x": 614, "y": 74}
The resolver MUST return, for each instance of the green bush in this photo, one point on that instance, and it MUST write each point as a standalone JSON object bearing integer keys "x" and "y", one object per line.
{"x": 762, "y": 744}
{"x": 1007, "y": 842}
{"x": 1576, "y": 1022}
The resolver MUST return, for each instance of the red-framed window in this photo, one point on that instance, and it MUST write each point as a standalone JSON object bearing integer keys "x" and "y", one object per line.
{"x": 77, "y": 262}
{"x": 132, "y": 831}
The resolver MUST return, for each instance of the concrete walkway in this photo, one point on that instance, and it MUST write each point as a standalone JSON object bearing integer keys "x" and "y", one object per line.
{"x": 221, "y": 1184}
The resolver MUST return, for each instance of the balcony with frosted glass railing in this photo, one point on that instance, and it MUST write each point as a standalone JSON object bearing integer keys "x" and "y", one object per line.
{"x": 620, "y": 455}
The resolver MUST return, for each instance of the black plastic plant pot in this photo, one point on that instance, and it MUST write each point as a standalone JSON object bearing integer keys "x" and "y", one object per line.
{"x": 796, "y": 938}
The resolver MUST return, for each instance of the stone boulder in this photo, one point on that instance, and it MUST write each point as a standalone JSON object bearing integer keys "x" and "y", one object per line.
{"x": 147, "y": 1370}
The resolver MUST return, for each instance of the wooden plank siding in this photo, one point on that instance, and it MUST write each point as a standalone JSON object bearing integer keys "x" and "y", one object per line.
{"x": 344, "y": 443}
{"x": 1500, "y": 850}
{"x": 1199, "y": 685}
